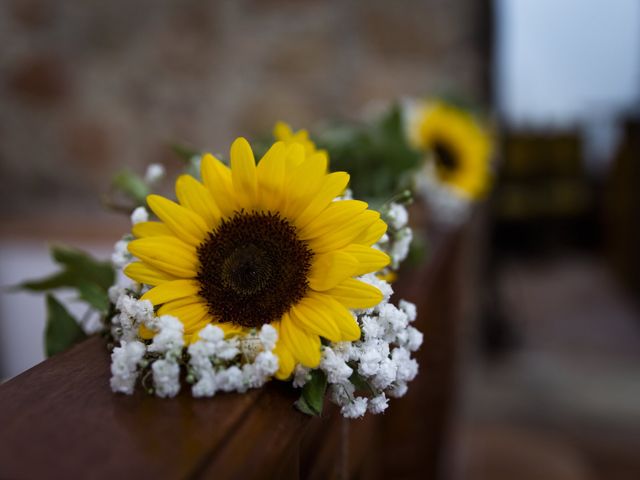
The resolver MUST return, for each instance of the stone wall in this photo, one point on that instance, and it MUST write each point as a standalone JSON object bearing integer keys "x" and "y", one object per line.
{"x": 89, "y": 86}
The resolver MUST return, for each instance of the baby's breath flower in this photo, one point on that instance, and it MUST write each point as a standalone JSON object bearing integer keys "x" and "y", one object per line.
{"x": 356, "y": 409}
{"x": 169, "y": 336}
{"x": 139, "y": 215}
{"x": 301, "y": 376}
{"x": 334, "y": 366}
{"x": 154, "y": 173}
{"x": 378, "y": 404}
{"x": 124, "y": 366}
{"x": 166, "y": 377}
{"x": 120, "y": 256}
{"x": 397, "y": 215}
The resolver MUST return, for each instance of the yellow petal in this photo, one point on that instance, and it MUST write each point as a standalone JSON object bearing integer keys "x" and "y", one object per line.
{"x": 230, "y": 329}
{"x": 286, "y": 362}
{"x": 304, "y": 346}
{"x": 329, "y": 269}
{"x": 343, "y": 318}
{"x": 271, "y": 176}
{"x": 282, "y": 130}
{"x": 332, "y": 186}
{"x": 184, "y": 223}
{"x": 356, "y": 294}
{"x": 146, "y": 333}
{"x": 190, "y": 311}
{"x": 334, "y": 216}
{"x": 167, "y": 254}
{"x": 303, "y": 184}
{"x": 194, "y": 330}
{"x": 142, "y": 273}
{"x": 196, "y": 197}
{"x": 372, "y": 234}
{"x": 217, "y": 178}
{"x": 195, "y": 326}
{"x": 150, "y": 229}
{"x": 369, "y": 259}
{"x": 294, "y": 156}
{"x": 311, "y": 315}
{"x": 343, "y": 235}
{"x": 174, "y": 290}
{"x": 243, "y": 173}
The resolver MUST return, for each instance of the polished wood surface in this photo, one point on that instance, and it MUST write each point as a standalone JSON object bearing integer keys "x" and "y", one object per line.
{"x": 61, "y": 420}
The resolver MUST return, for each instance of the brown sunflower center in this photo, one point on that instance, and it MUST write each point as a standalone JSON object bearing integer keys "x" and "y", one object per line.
{"x": 253, "y": 268}
{"x": 445, "y": 157}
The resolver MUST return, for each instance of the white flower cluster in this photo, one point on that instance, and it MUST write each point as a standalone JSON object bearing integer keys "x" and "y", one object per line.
{"x": 139, "y": 215}
{"x": 215, "y": 364}
{"x": 162, "y": 355}
{"x": 397, "y": 241}
{"x": 168, "y": 342}
{"x": 121, "y": 256}
{"x": 448, "y": 206}
{"x": 131, "y": 314}
{"x": 380, "y": 362}
{"x": 155, "y": 172}
{"x": 125, "y": 363}
{"x": 235, "y": 364}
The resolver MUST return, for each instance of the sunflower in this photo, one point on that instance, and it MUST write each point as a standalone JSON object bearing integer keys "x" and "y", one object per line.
{"x": 262, "y": 244}
{"x": 283, "y": 132}
{"x": 459, "y": 147}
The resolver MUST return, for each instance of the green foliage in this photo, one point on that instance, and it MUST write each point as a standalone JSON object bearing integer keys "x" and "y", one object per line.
{"x": 62, "y": 330}
{"x": 132, "y": 186}
{"x": 312, "y": 398}
{"x": 94, "y": 296}
{"x": 91, "y": 279}
{"x": 84, "y": 266}
{"x": 360, "y": 383}
{"x": 78, "y": 268}
{"x": 57, "y": 280}
{"x": 376, "y": 155}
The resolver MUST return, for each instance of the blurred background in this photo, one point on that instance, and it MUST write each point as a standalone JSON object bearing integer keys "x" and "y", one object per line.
{"x": 549, "y": 382}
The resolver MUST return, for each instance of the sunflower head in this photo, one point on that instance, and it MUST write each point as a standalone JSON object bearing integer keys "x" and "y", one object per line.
{"x": 458, "y": 146}
{"x": 266, "y": 243}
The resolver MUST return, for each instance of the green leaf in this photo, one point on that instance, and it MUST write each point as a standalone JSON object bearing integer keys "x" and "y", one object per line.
{"x": 57, "y": 280}
{"x": 376, "y": 154}
{"x": 360, "y": 383}
{"x": 62, "y": 330}
{"x": 313, "y": 393}
{"x": 132, "y": 185}
{"x": 302, "y": 405}
{"x": 88, "y": 269}
{"x": 94, "y": 296}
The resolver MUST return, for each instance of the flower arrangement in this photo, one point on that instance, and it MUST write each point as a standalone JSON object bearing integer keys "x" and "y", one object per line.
{"x": 279, "y": 268}
{"x": 259, "y": 270}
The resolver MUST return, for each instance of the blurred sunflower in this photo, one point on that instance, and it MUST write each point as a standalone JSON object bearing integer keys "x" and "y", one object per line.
{"x": 257, "y": 244}
{"x": 459, "y": 147}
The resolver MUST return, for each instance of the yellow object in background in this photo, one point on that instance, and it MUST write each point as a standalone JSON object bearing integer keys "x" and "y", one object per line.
{"x": 283, "y": 132}
{"x": 457, "y": 144}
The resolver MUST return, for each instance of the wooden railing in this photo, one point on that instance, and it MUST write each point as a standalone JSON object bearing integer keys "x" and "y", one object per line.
{"x": 61, "y": 420}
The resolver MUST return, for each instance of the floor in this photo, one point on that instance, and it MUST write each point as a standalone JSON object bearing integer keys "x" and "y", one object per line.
{"x": 566, "y": 403}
